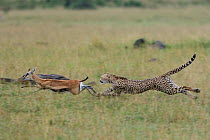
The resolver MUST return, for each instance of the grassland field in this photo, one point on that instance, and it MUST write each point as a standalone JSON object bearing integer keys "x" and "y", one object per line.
{"x": 90, "y": 43}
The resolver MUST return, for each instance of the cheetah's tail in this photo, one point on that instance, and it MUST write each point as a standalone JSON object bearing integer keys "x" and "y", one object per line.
{"x": 181, "y": 67}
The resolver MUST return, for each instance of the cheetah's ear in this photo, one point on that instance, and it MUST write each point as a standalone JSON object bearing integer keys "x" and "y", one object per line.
{"x": 108, "y": 74}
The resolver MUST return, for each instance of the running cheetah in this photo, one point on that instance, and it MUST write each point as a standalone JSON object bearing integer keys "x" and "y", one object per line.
{"x": 160, "y": 83}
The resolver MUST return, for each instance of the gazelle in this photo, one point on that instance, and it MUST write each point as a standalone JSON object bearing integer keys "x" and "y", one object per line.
{"x": 72, "y": 86}
{"x": 29, "y": 81}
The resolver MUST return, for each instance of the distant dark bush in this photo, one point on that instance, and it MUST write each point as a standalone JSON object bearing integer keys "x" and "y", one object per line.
{"x": 93, "y": 4}
{"x": 83, "y": 4}
{"x": 101, "y": 2}
{"x": 133, "y": 3}
{"x": 50, "y": 3}
{"x": 118, "y": 2}
{"x": 25, "y": 4}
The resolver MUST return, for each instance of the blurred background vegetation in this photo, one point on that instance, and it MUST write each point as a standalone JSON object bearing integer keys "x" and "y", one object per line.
{"x": 7, "y": 5}
{"x": 79, "y": 43}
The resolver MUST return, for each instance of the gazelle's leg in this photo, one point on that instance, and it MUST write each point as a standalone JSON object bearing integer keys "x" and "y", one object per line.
{"x": 88, "y": 87}
{"x": 37, "y": 86}
{"x": 89, "y": 91}
{"x": 29, "y": 86}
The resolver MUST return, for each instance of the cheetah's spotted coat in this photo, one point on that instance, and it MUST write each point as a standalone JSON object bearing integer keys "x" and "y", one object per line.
{"x": 160, "y": 83}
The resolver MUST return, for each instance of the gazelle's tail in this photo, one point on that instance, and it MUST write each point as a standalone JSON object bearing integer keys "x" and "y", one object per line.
{"x": 181, "y": 67}
{"x": 84, "y": 79}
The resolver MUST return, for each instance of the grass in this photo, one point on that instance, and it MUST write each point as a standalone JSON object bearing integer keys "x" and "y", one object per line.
{"x": 91, "y": 42}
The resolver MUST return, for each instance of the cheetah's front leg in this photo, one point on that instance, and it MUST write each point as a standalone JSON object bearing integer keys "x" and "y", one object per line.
{"x": 107, "y": 93}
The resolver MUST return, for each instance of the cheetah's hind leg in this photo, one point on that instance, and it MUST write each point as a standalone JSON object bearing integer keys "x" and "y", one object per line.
{"x": 191, "y": 89}
{"x": 189, "y": 94}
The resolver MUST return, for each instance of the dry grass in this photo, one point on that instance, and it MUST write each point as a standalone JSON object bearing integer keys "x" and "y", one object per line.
{"x": 80, "y": 43}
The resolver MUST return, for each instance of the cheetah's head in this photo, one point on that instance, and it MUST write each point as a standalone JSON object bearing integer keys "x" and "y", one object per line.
{"x": 106, "y": 78}
{"x": 110, "y": 78}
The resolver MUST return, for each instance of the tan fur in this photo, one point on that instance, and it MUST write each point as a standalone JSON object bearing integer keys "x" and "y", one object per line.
{"x": 72, "y": 86}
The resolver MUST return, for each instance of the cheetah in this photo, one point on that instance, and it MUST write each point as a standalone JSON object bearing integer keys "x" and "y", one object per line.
{"x": 160, "y": 83}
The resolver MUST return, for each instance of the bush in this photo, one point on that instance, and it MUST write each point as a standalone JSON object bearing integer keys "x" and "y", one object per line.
{"x": 92, "y": 4}
{"x": 100, "y": 2}
{"x": 133, "y": 3}
{"x": 25, "y": 4}
{"x": 50, "y": 3}
{"x": 118, "y": 2}
{"x": 83, "y": 4}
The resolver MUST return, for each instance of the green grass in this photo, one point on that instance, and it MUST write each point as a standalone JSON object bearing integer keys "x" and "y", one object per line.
{"x": 77, "y": 44}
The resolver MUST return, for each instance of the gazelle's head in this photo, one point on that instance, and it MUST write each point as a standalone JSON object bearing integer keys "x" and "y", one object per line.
{"x": 28, "y": 73}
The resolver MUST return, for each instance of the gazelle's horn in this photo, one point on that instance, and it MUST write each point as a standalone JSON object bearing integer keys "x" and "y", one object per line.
{"x": 33, "y": 70}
